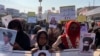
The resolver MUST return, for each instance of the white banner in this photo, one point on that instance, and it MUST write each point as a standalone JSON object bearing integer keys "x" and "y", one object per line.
{"x": 32, "y": 19}
{"x": 60, "y": 53}
{"x": 84, "y": 28}
{"x": 68, "y": 12}
{"x": 86, "y": 44}
{"x": 42, "y": 53}
{"x": 70, "y": 53}
{"x": 6, "y": 20}
{"x": 55, "y": 16}
{"x": 67, "y": 52}
{"x": 53, "y": 19}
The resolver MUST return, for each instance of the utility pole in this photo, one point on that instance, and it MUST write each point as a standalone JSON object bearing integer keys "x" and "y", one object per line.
{"x": 40, "y": 12}
{"x": 93, "y": 3}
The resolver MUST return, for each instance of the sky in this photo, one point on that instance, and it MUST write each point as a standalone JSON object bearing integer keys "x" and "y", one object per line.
{"x": 32, "y": 5}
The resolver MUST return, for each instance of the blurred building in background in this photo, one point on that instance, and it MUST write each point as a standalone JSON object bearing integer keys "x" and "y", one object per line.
{"x": 84, "y": 10}
{"x": 14, "y": 12}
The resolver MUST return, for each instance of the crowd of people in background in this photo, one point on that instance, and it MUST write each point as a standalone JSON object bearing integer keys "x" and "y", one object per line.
{"x": 64, "y": 36}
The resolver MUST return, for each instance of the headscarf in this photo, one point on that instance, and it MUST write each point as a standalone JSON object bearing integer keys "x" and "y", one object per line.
{"x": 38, "y": 36}
{"x": 72, "y": 34}
{"x": 21, "y": 38}
{"x": 15, "y": 24}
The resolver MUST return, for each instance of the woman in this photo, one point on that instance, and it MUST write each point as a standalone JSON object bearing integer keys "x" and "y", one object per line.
{"x": 22, "y": 41}
{"x": 42, "y": 41}
{"x": 70, "y": 38}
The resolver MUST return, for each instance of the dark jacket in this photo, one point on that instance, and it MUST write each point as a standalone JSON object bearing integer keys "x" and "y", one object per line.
{"x": 23, "y": 40}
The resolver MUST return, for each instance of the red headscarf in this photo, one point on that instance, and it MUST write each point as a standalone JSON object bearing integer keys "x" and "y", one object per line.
{"x": 72, "y": 34}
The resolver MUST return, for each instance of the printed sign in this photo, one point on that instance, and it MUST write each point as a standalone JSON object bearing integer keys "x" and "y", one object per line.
{"x": 42, "y": 53}
{"x": 32, "y": 19}
{"x": 53, "y": 19}
{"x": 7, "y": 39}
{"x": 6, "y": 20}
{"x": 86, "y": 44}
{"x": 68, "y": 12}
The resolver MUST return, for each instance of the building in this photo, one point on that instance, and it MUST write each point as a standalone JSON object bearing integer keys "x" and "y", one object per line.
{"x": 84, "y": 10}
{"x": 23, "y": 15}
{"x": 14, "y": 12}
{"x": 94, "y": 14}
{"x": 2, "y": 10}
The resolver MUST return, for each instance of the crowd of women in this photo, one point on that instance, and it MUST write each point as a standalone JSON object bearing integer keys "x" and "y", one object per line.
{"x": 63, "y": 37}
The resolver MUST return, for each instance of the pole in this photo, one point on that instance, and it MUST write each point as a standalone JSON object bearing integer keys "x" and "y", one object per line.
{"x": 40, "y": 3}
{"x": 40, "y": 12}
{"x": 93, "y": 3}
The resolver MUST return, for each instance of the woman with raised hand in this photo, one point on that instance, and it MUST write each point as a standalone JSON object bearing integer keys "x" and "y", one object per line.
{"x": 70, "y": 38}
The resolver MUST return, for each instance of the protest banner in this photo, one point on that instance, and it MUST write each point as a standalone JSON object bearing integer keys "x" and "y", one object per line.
{"x": 86, "y": 44}
{"x": 84, "y": 28}
{"x": 81, "y": 18}
{"x": 32, "y": 19}
{"x": 68, "y": 12}
{"x": 7, "y": 39}
{"x": 70, "y": 52}
{"x": 53, "y": 19}
{"x": 42, "y": 53}
{"x": 31, "y": 14}
{"x": 66, "y": 52}
{"x": 6, "y": 20}
{"x": 5, "y": 53}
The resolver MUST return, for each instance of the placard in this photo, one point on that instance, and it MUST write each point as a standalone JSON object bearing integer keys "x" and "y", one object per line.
{"x": 86, "y": 44}
{"x": 32, "y": 19}
{"x": 53, "y": 20}
{"x": 68, "y": 12}
{"x": 42, "y": 53}
{"x": 7, "y": 39}
{"x": 6, "y": 20}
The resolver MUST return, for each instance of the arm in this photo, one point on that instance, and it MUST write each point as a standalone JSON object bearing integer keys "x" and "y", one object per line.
{"x": 58, "y": 41}
{"x": 35, "y": 49}
{"x": 16, "y": 46}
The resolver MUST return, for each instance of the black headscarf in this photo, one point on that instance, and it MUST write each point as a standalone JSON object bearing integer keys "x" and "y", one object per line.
{"x": 37, "y": 39}
{"x": 21, "y": 38}
{"x": 15, "y": 24}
